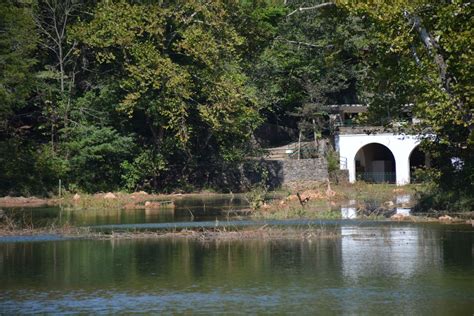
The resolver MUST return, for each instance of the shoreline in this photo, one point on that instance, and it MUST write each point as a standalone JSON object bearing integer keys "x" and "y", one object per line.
{"x": 319, "y": 191}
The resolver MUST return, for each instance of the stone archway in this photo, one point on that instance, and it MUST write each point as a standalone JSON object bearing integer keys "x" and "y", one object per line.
{"x": 375, "y": 163}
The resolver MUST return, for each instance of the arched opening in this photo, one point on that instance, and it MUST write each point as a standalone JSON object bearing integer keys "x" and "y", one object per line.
{"x": 418, "y": 160}
{"x": 375, "y": 163}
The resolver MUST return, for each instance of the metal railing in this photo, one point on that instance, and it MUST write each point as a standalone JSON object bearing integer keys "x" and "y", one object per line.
{"x": 294, "y": 151}
{"x": 343, "y": 162}
{"x": 306, "y": 151}
{"x": 377, "y": 177}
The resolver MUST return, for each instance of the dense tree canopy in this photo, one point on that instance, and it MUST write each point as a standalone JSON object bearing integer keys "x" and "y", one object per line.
{"x": 164, "y": 95}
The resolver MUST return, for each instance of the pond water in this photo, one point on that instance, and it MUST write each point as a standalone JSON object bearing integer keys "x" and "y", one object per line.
{"x": 370, "y": 269}
{"x": 198, "y": 208}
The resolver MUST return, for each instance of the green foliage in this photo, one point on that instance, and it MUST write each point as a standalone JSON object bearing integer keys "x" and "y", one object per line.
{"x": 332, "y": 158}
{"x": 423, "y": 56}
{"x": 164, "y": 95}
{"x": 257, "y": 192}
{"x": 27, "y": 169}
{"x": 312, "y": 62}
{"x": 175, "y": 65}
{"x": 17, "y": 45}
{"x": 94, "y": 155}
{"x": 143, "y": 171}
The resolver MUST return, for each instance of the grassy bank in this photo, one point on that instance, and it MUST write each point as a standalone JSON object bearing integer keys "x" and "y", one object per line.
{"x": 325, "y": 201}
{"x": 317, "y": 201}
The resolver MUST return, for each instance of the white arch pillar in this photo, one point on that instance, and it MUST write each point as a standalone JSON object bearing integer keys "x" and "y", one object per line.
{"x": 401, "y": 147}
{"x": 402, "y": 168}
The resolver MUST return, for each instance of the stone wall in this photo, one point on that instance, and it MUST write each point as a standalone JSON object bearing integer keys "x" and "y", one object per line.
{"x": 294, "y": 170}
{"x": 287, "y": 172}
{"x": 339, "y": 176}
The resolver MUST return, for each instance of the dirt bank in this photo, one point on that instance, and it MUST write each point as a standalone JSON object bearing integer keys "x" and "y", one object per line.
{"x": 9, "y": 201}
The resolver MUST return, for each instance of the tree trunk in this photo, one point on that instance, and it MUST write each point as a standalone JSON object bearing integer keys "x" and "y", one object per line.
{"x": 299, "y": 145}
{"x": 316, "y": 140}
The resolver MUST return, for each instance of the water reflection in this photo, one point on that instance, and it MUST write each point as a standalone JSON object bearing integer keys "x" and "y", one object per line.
{"x": 349, "y": 211}
{"x": 398, "y": 269}
{"x": 353, "y": 209}
{"x": 404, "y": 201}
{"x": 190, "y": 208}
{"x": 197, "y": 208}
{"x": 399, "y": 252}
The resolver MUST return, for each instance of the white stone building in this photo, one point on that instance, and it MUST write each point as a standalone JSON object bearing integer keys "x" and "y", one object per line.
{"x": 378, "y": 155}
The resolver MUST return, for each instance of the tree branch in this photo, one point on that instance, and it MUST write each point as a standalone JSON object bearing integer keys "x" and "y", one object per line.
{"x": 301, "y": 9}
{"x": 298, "y": 43}
{"x": 432, "y": 47}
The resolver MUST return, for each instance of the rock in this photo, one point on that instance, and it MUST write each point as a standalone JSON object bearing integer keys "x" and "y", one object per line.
{"x": 265, "y": 206}
{"x": 398, "y": 217}
{"x": 330, "y": 193}
{"x": 292, "y": 197}
{"x": 312, "y": 194}
{"x": 445, "y": 218}
{"x": 110, "y": 195}
{"x": 153, "y": 205}
{"x": 76, "y": 197}
{"x": 141, "y": 193}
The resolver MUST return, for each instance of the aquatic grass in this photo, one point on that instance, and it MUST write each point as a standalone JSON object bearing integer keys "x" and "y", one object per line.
{"x": 291, "y": 211}
{"x": 230, "y": 233}
{"x": 11, "y": 226}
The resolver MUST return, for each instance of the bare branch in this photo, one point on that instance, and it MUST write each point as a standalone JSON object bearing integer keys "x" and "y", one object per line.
{"x": 73, "y": 46}
{"x": 319, "y": 6}
{"x": 298, "y": 43}
{"x": 43, "y": 30}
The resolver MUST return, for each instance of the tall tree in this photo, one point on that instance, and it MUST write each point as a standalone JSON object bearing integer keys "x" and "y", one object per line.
{"x": 53, "y": 18}
{"x": 313, "y": 61}
{"x": 17, "y": 47}
{"x": 175, "y": 69}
